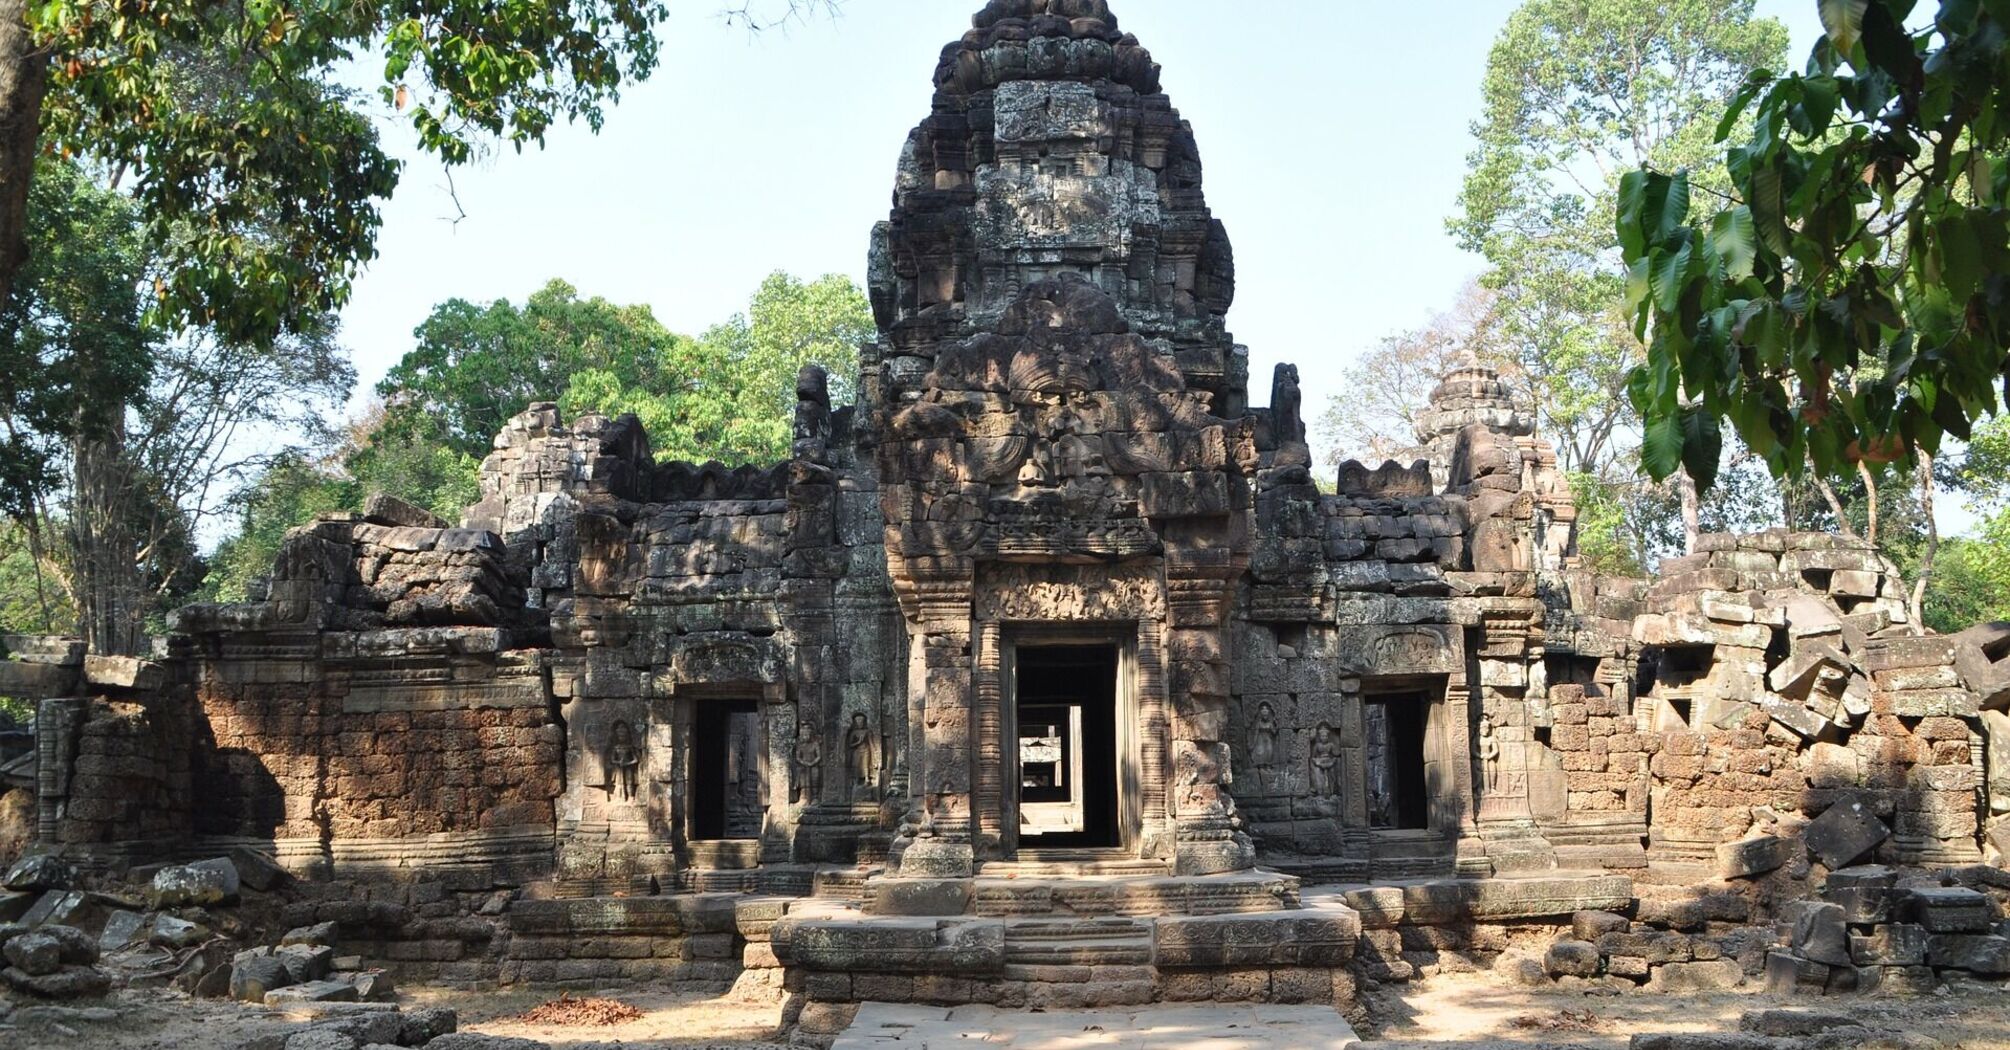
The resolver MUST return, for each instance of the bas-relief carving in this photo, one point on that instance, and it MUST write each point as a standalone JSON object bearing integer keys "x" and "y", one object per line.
{"x": 623, "y": 763}
{"x": 1035, "y": 593}
{"x": 861, "y": 749}
{"x": 1263, "y": 748}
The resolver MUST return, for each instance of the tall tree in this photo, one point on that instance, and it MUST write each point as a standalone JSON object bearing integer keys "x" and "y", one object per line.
{"x": 477, "y": 365}
{"x": 1374, "y": 416}
{"x": 1847, "y": 297}
{"x": 1576, "y": 93}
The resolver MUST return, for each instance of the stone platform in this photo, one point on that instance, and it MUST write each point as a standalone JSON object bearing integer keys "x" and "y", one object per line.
{"x": 1213, "y": 1027}
{"x": 1071, "y": 942}
{"x": 1449, "y": 902}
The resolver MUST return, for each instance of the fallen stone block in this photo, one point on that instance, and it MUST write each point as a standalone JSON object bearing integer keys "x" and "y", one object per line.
{"x": 1787, "y": 1022}
{"x": 69, "y": 982}
{"x": 1571, "y": 958}
{"x": 65, "y": 908}
{"x": 1754, "y": 855}
{"x": 36, "y": 681}
{"x": 169, "y": 931}
{"x": 477, "y": 1041}
{"x": 426, "y": 1023}
{"x": 253, "y": 976}
{"x": 1985, "y": 954}
{"x": 1845, "y": 833}
{"x": 34, "y": 953}
{"x": 1950, "y": 909}
{"x": 313, "y": 992}
{"x": 1790, "y": 974}
{"x": 1818, "y": 931}
{"x": 1699, "y": 976}
{"x": 122, "y": 928}
{"x": 40, "y": 872}
{"x": 1892, "y": 944}
{"x": 1864, "y": 892}
{"x": 201, "y": 884}
{"x": 306, "y": 962}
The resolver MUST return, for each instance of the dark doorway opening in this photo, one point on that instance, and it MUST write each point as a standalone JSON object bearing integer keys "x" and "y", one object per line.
{"x": 1396, "y": 730}
{"x": 1066, "y": 697}
{"x": 726, "y": 770}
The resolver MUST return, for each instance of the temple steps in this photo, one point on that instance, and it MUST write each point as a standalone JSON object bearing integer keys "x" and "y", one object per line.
{"x": 1065, "y": 942}
{"x": 994, "y": 896}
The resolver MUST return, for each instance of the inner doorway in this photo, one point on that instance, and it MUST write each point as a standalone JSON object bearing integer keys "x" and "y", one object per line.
{"x": 1396, "y": 726}
{"x": 726, "y": 770}
{"x": 1065, "y": 698}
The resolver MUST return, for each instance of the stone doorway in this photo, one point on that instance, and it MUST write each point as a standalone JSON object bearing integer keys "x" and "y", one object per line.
{"x": 726, "y": 770}
{"x": 1068, "y": 746}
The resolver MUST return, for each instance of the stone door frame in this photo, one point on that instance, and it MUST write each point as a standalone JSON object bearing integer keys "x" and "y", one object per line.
{"x": 997, "y": 735}
{"x": 769, "y": 700}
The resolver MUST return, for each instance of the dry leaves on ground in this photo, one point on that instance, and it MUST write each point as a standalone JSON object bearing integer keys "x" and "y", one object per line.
{"x": 567, "y": 1012}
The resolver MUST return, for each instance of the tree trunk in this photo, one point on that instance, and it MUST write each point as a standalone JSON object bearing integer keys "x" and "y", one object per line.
{"x": 23, "y": 79}
{"x": 1870, "y": 504}
{"x": 1917, "y": 605}
{"x": 1692, "y": 510}
{"x": 110, "y": 587}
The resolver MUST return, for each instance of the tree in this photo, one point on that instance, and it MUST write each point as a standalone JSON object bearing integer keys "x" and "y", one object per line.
{"x": 727, "y": 395}
{"x": 476, "y": 366}
{"x": 121, "y": 438}
{"x": 123, "y": 89}
{"x": 1577, "y": 92}
{"x": 1847, "y": 299}
{"x": 736, "y": 403}
{"x": 414, "y": 462}
{"x": 1374, "y": 416}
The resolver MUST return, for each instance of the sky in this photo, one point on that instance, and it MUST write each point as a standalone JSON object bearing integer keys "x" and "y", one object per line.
{"x": 1333, "y": 134}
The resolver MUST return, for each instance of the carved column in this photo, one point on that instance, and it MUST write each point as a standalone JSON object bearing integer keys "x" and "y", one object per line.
{"x": 989, "y": 802}
{"x": 1198, "y": 591}
{"x": 1156, "y": 835}
{"x": 942, "y": 846}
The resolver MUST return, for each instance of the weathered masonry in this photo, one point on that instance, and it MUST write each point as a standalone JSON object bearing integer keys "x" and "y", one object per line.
{"x": 1046, "y": 664}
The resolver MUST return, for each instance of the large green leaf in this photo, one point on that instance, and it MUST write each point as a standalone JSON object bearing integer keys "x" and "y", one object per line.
{"x": 1736, "y": 241}
{"x": 1843, "y": 21}
{"x": 1702, "y": 444}
{"x": 1632, "y": 194}
{"x": 1768, "y": 207}
{"x": 1661, "y": 446}
{"x": 1668, "y": 273}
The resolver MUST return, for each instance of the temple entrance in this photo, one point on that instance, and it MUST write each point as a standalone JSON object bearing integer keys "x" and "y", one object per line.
{"x": 1396, "y": 727}
{"x": 1065, "y": 760}
{"x": 726, "y": 770}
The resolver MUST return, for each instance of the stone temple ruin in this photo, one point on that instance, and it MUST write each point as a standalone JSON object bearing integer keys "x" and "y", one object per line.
{"x": 1047, "y": 674}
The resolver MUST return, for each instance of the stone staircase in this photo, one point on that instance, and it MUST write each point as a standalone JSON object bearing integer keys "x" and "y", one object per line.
{"x": 1078, "y": 942}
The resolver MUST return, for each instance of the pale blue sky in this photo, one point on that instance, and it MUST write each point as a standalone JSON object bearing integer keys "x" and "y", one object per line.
{"x": 1333, "y": 132}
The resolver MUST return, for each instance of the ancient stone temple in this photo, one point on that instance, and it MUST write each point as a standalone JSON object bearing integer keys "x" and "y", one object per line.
{"x": 1052, "y": 667}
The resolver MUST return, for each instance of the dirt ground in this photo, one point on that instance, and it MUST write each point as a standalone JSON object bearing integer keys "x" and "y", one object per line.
{"x": 1469, "y": 1011}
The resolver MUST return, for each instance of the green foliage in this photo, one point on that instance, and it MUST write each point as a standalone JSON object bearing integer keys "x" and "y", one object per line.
{"x": 1606, "y": 543}
{"x": 33, "y": 599}
{"x": 1856, "y": 306}
{"x": 1971, "y": 579}
{"x": 736, "y": 401}
{"x": 413, "y": 462}
{"x": 476, "y": 366}
{"x": 257, "y": 171}
{"x": 1575, "y": 92}
{"x": 74, "y": 347}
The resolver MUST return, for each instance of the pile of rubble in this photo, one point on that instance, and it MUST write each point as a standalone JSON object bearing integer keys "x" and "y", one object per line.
{"x": 303, "y": 968}
{"x": 1873, "y": 927}
{"x": 62, "y": 940}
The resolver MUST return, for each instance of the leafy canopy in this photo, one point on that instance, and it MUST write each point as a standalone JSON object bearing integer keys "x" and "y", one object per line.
{"x": 1848, "y": 298}
{"x": 260, "y": 170}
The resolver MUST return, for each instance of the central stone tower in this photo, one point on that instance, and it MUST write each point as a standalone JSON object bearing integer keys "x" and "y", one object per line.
{"x": 1059, "y": 419}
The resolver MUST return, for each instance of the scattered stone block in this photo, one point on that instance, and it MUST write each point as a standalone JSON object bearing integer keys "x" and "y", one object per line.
{"x": 169, "y": 931}
{"x": 1790, "y": 974}
{"x": 1699, "y": 976}
{"x": 318, "y": 933}
{"x": 122, "y": 928}
{"x": 251, "y": 977}
{"x": 68, "y": 982}
{"x": 35, "y": 953}
{"x": 316, "y": 991}
{"x": 1571, "y": 958}
{"x": 1754, "y": 855}
{"x": 1787, "y": 1022}
{"x": 1950, "y": 909}
{"x": 40, "y": 872}
{"x": 1985, "y": 954}
{"x": 1845, "y": 833}
{"x": 202, "y": 884}
{"x": 1591, "y": 925}
{"x": 306, "y": 962}
{"x": 1892, "y": 944}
